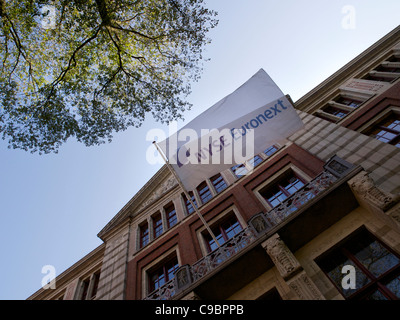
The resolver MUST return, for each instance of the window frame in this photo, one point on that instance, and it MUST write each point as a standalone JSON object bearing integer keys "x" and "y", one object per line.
{"x": 269, "y": 182}
{"x": 219, "y": 218}
{"x": 200, "y": 191}
{"x": 170, "y": 217}
{"x": 154, "y": 264}
{"x": 237, "y": 167}
{"x": 218, "y": 229}
{"x": 374, "y": 122}
{"x": 164, "y": 268}
{"x": 278, "y": 185}
{"x": 144, "y": 232}
{"x": 187, "y": 203}
{"x": 157, "y": 224}
{"x": 217, "y": 186}
{"x": 376, "y": 283}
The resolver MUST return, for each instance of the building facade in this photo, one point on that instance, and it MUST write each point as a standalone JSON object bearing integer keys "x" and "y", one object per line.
{"x": 317, "y": 219}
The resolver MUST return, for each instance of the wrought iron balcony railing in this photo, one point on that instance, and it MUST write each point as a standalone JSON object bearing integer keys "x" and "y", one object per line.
{"x": 258, "y": 225}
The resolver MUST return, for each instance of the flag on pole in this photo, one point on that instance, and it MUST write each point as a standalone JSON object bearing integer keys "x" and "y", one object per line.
{"x": 235, "y": 129}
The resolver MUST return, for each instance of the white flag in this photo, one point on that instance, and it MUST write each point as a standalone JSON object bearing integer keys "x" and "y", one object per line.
{"x": 241, "y": 125}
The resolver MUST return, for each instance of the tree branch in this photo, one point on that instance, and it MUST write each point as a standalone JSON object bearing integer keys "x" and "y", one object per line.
{"x": 72, "y": 60}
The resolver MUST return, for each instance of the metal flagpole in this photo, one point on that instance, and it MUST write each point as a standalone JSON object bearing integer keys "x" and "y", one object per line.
{"x": 185, "y": 192}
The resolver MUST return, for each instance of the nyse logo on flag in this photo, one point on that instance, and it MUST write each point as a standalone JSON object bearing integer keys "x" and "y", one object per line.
{"x": 233, "y": 144}
{"x": 244, "y": 123}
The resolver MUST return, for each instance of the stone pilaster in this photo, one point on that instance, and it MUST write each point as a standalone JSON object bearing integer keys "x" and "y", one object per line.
{"x": 113, "y": 271}
{"x": 291, "y": 270}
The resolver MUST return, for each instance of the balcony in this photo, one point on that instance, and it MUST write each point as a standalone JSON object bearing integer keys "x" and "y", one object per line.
{"x": 312, "y": 204}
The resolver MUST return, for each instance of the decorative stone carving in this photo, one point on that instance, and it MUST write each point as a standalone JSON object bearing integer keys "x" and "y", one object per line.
{"x": 338, "y": 167}
{"x": 394, "y": 213}
{"x": 163, "y": 188}
{"x": 191, "y": 296}
{"x": 259, "y": 223}
{"x": 283, "y": 258}
{"x": 304, "y": 287}
{"x": 365, "y": 188}
{"x": 182, "y": 278}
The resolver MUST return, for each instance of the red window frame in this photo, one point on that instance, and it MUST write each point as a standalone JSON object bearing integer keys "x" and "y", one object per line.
{"x": 162, "y": 274}
{"x": 281, "y": 189}
{"x": 386, "y": 126}
{"x": 223, "y": 231}
{"x": 376, "y": 282}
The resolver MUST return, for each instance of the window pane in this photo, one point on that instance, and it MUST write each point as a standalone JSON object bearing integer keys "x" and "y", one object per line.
{"x": 163, "y": 274}
{"x": 189, "y": 207}
{"x": 336, "y": 112}
{"x": 255, "y": 161}
{"x": 334, "y": 267}
{"x": 377, "y": 295}
{"x": 271, "y": 150}
{"x": 383, "y": 135}
{"x": 239, "y": 170}
{"x": 212, "y": 243}
{"x": 204, "y": 192}
{"x": 158, "y": 227}
{"x": 171, "y": 268}
{"x": 293, "y": 184}
{"x": 231, "y": 229}
{"x": 374, "y": 265}
{"x": 388, "y": 130}
{"x": 218, "y": 182}
{"x": 373, "y": 256}
{"x": 157, "y": 280}
{"x": 393, "y": 124}
{"x": 276, "y": 198}
{"x": 394, "y": 286}
{"x": 171, "y": 216}
{"x": 349, "y": 102}
{"x": 144, "y": 235}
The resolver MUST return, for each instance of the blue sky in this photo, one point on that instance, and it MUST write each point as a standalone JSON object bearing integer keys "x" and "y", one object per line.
{"x": 52, "y": 206}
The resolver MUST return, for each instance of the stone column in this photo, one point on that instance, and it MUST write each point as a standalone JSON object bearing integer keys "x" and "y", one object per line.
{"x": 291, "y": 270}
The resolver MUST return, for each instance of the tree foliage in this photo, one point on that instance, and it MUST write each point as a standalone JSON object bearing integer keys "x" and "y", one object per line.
{"x": 101, "y": 67}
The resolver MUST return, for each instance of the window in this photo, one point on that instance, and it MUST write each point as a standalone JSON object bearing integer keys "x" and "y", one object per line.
{"x": 388, "y": 68}
{"x": 270, "y": 151}
{"x": 223, "y": 232}
{"x": 204, "y": 192}
{"x": 239, "y": 170}
{"x": 218, "y": 182}
{"x": 157, "y": 225}
{"x": 162, "y": 274}
{"x": 84, "y": 288}
{"x": 189, "y": 207}
{"x": 144, "y": 235}
{"x": 349, "y": 102}
{"x": 282, "y": 189}
{"x": 95, "y": 279}
{"x": 255, "y": 161}
{"x": 336, "y": 111}
{"x": 170, "y": 213}
{"x": 377, "y": 268}
{"x": 387, "y": 130}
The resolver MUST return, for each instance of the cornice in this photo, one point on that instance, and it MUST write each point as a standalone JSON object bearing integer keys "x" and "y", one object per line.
{"x": 128, "y": 210}
{"x": 349, "y": 70}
